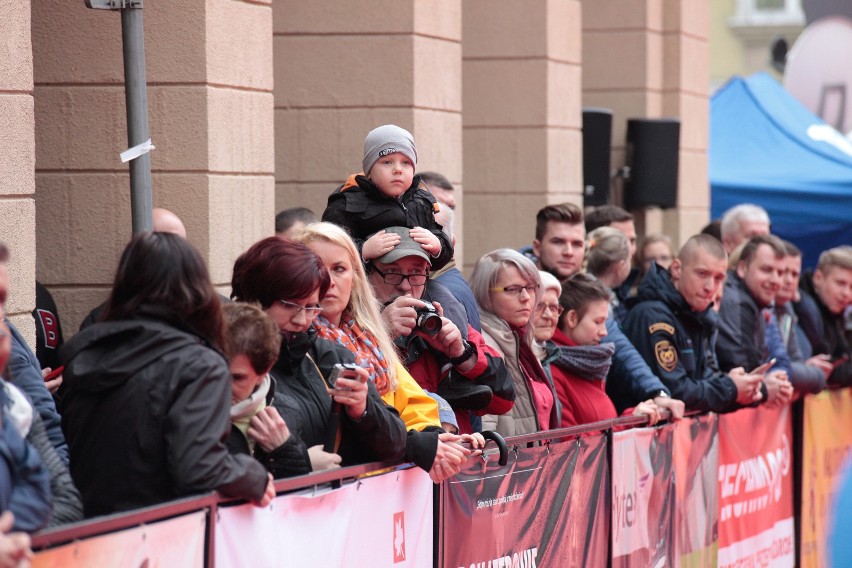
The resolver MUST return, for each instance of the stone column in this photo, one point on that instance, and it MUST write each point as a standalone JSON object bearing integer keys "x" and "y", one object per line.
{"x": 522, "y": 119}
{"x": 343, "y": 68}
{"x": 209, "y": 70}
{"x": 17, "y": 162}
{"x": 649, "y": 59}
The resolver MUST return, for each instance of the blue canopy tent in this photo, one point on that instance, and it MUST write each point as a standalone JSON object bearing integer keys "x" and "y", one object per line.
{"x": 768, "y": 149}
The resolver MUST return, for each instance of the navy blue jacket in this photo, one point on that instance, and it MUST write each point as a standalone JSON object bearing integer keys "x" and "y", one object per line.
{"x": 674, "y": 341}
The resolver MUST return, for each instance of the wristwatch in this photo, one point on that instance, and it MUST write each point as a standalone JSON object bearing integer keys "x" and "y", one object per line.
{"x": 469, "y": 350}
{"x": 662, "y": 394}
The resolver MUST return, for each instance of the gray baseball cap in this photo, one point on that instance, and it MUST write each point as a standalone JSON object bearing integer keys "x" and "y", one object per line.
{"x": 406, "y": 247}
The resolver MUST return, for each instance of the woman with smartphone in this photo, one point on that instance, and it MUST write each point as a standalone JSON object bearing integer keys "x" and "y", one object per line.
{"x": 289, "y": 281}
{"x": 351, "y": 318}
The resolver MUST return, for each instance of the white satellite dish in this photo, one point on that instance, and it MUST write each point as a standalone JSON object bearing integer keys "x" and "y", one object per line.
{"x": 819, "y": 72}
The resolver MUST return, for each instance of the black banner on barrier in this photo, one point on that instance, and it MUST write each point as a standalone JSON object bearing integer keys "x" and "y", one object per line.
{"x": 548, "y": 506}
{"x": 642, "y": 497}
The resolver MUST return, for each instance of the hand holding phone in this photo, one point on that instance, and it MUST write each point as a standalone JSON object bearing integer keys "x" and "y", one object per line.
{"x": 346, "y": 370}
{"x": 760, "y": 369}
{"x": 54, "y": 373}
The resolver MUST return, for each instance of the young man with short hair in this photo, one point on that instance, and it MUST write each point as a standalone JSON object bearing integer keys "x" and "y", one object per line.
{"x": 672, "y": 323}
{"x": 831, "y": 287}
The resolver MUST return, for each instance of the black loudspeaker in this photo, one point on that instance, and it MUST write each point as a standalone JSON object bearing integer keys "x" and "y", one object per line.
{"x": 652, "y": 156}
{"x": 597, "y": 143}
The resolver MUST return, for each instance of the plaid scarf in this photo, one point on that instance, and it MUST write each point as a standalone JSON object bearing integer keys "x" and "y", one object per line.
{"x": 362, "y": 343}
{"x": 589, "y": 362}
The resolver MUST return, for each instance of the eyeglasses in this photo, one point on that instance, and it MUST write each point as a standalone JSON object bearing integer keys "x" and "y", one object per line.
{"x": 396, "y": 278}
{"x": 311, "y": 312}
{"x": 516, "y": 290}
{"x": 554, "y": 309}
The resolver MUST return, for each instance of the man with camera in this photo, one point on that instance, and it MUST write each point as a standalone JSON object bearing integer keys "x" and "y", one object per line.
{"x": 439, "y": 348}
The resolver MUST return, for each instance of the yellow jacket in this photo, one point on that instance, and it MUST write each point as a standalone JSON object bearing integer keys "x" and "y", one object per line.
{"x": 416, "y": 408}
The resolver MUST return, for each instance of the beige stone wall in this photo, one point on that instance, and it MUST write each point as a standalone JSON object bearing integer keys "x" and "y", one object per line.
{"x": 343, "y": 68}
{"x": 648, "y": 59}
{"x": 522, "y": 119}
{"x": 17, "y": 161}
{"x": 209, "y": 71}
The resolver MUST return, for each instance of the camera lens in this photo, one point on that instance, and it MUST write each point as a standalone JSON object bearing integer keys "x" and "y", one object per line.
{"x": 429, "y": 323}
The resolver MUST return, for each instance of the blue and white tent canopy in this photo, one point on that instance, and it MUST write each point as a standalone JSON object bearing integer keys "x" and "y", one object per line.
{"x": 768, "y": 149}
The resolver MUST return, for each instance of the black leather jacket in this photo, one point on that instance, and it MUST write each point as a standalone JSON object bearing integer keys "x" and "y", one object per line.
{"x": 300, "y": 372}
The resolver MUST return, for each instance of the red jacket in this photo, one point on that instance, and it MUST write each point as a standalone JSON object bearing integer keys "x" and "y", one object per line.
{"x": 429, "y": 368}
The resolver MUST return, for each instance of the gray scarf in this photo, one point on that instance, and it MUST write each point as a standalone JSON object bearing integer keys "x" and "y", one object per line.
{"x": 590, "y": 362}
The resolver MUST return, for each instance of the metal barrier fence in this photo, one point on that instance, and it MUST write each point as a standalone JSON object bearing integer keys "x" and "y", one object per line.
{"x": 531, "y": 455}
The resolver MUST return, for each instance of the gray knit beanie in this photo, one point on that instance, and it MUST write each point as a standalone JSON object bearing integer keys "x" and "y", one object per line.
{"x": 386, "y": 140}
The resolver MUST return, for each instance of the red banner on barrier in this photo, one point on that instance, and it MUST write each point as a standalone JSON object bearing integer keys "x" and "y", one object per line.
{"x": 696, "y": 466}
{"x": 385, "y": 520}
{"x": 547, "y": 507}
{"x": 826, "y": 446}
{"x": 756, "y": 488}
{"x": 176, "y": 542}
{"x": 642, "y": 497}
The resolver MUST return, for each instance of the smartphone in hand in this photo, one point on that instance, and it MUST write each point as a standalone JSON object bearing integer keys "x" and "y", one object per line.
{"x": 54, "y": 373}
{"x": 762, "y": 368}
{"x": 346, "y": 370}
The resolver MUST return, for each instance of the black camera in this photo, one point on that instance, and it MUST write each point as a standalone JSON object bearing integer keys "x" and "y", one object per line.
{"x": 428, "y": 320}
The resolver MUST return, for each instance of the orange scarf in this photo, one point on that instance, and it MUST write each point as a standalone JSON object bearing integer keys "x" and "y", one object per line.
{"x": 362, "y": 343}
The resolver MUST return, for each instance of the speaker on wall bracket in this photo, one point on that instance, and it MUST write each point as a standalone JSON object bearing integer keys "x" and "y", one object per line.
{"x": 652, "y": 159}
{"x": 597, "y": 145}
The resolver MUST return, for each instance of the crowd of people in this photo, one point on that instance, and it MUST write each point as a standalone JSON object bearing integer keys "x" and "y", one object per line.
{"x": 355, "y": 338}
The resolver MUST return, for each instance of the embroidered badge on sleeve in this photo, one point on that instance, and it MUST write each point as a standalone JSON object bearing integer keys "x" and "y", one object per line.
{"x": 666, "y": 355}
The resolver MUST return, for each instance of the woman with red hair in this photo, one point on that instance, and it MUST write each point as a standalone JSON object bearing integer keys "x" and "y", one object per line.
{"x": 289, "y": 281}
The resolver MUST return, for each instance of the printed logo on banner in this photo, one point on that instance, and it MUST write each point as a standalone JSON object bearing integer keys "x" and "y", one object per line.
{"x": 399, "y": 537}
{"x": 756, "y": 488}
{"x": 754, "y": 483}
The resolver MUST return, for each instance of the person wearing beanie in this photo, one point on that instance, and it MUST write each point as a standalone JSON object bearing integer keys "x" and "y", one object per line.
{"x": 388, "y": 194}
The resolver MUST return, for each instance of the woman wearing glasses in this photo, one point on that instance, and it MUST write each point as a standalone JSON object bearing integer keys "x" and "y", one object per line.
{"x": 351, "y": 318}
{"x": 507, "y": 288}
{"x": 289, "y": 282}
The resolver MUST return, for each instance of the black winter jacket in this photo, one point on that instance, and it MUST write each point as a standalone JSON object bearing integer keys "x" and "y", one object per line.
{"x": 359, "y": 207}
{"x": 742, "y": 328}
{"x": 300, "y": 373}
{"x": 145, "y": 412}
{"x": 289, "y": 459}
{"x": 674, "y": 341}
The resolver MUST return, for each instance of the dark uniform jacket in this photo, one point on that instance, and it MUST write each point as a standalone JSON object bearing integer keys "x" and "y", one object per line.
{"x": 362, "y": 209}
{"x": 833, "y": 338}
{"x": 674, "y": 341}
{"x": 287, "y": 460}
{"x": 300, "y": 372}
{"x": 145, "y": 412}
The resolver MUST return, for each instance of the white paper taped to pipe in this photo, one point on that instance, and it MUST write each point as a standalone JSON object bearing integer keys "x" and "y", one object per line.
{"x": 136, "y": 151}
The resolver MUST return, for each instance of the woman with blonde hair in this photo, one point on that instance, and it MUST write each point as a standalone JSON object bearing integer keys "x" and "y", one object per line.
{"x": 608, "y": 260}
{"x": 507, "y": 287}
{"x": 351, "y": 317}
